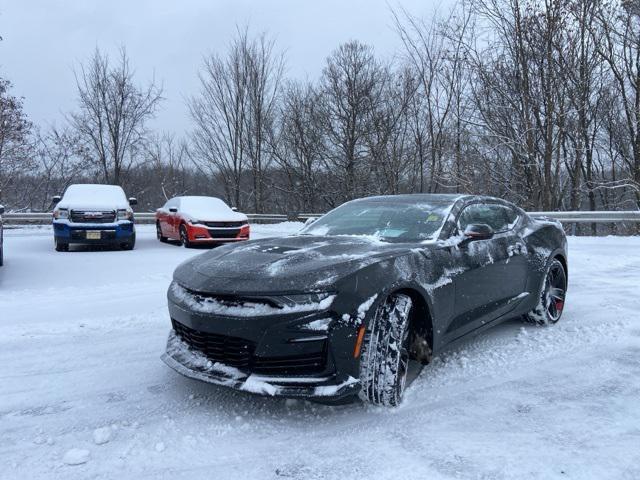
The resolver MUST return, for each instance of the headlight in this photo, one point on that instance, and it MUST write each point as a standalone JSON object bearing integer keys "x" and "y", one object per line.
{"x": 61, "y": 213}
{"x": 125, "y": 214}
{"x": 323, "y": 300}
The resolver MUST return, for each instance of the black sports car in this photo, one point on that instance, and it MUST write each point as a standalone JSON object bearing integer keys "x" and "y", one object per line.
{"x": 359, "y": 297}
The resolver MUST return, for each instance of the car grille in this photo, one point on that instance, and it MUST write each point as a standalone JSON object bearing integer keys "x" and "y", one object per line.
{"x": 292, "y": 365}
{"x": 214, "y": 233}
{"x": 231, "y": 351}
{"x": 86, "y": 216}
{"x": 224, "y": 224}
{"x": 239, "y": 353}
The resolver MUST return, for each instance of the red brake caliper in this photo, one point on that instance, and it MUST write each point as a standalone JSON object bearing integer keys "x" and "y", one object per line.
{"x": 559, "y": 305}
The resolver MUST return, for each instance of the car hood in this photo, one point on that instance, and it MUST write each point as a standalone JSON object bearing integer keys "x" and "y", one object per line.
{"x": 287, "y": 264}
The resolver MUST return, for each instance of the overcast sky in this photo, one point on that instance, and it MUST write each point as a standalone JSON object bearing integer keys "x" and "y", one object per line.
{"x": 44, "y": 39}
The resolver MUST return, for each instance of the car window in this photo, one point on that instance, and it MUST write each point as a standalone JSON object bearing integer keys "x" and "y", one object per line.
{"x": 408, "y": 221}
{"x": 499, "y": 217}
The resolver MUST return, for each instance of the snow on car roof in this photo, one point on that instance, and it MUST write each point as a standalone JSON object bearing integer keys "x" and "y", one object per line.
{"x": 203, "y": 203}
{"x": 208, "y": 208}
{"x": 88, "y": 195}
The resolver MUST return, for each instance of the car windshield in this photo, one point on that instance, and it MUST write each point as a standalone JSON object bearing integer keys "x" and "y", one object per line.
{"x": 391, "y": 222}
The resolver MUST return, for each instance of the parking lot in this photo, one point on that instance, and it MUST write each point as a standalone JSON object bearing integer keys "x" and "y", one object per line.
{"x": 82, "y": 333}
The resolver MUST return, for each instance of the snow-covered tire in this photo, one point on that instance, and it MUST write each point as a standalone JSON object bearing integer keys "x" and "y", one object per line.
{"x": 384, "y": 361}
{"x": 552, "y": 295}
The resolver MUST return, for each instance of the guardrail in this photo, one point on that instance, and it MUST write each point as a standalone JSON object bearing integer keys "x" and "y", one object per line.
{"x": 564, "y": 217}
{"x": 592, "y": 217}
{"x": 149, "y": 217}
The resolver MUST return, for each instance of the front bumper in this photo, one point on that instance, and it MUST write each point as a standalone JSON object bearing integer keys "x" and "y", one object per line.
{"x": 201, "y": 234}
{"x": 110, "y": 233}
{"x": 190, "y": 363}
{"x": 279, "y": 354}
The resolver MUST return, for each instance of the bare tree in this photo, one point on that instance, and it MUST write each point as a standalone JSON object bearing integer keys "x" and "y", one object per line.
{"x": 219, "y": 114}
{"x": 61, "y": 161}
{"x": 113, "y": 113}
{"x": 15, "y": 141}
{"x": 264, "y": 68}
{"x": 351, "y": 85}
{"x": 298, "y": 145}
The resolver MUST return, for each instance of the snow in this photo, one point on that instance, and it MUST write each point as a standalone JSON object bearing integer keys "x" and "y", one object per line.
{"x": 320, "y": 325}
{"x": 76, "y": 456}
{"x": 94, "y": 197}
{"x": 82, "y": 333}
{"x": 247, "y": 309}
{"x": 101, "y": 435}
{"x": 364, "y": 307}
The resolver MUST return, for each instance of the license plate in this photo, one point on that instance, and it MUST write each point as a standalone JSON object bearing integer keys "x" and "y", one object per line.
{"x": 94, "y": 235}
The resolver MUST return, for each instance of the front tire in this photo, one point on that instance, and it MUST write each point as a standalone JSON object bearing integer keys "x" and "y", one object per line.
{"x": 552, "y": 296}
{"x": 184, "y": 237}
{"x": 385, "y": 354}
{"x": 130, "y": 245}
{"x": 61, "y": 246}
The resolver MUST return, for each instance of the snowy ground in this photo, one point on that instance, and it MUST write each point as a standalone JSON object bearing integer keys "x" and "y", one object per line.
{"x": 81, "y": 382}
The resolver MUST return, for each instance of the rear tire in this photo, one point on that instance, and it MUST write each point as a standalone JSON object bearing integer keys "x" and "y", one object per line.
{"x": 184, "y": 237}
{"x": 385, "y": 354}
{"x": 552, "y": 296}
{"x": 61, "y": 246}
{"x": 159, "y": 235}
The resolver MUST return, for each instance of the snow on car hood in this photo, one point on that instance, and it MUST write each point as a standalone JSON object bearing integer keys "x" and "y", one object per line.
{"x": 293, "y": 263}
{"x": 94, "y": 197}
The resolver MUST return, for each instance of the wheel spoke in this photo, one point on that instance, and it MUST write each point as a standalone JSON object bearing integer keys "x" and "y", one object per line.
{"x": 557, "y": 293}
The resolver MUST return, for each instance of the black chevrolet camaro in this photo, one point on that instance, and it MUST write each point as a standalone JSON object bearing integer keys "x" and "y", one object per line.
{"x": 363, "y": 296}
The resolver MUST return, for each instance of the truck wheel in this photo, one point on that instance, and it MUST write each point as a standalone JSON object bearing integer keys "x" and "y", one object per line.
{"x": 384, "y": 362}
{"x": 61, "y": 246}
{"x": 130, "y": 244}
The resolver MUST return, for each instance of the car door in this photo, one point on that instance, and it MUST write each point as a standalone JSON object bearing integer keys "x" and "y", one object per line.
{"x": 494, "y": 271}
{"x": 176, "y": 218}
{"x": 164, "y": 218}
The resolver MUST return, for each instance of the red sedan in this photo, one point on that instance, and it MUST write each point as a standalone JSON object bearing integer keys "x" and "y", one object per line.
{"x": 200, "y": 220}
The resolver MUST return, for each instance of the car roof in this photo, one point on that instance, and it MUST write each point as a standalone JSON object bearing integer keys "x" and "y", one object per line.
{"x": 434, "y": 198}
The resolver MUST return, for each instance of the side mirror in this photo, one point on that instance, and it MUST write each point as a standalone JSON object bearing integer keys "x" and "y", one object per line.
{"x": 1, "y": 209}
{"x": 235, "y": 209}
{"x": 309, "y": 221}
{"x": 477, "y": 231}
{"x": 133, "y": 201}
{"x": 173, "y": 209}
{"x": 56, "y": 199}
